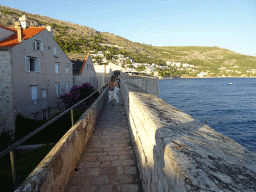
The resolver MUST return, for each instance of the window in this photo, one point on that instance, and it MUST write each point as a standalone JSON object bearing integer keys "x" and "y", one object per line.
{"x": 35, "y": 115}
{"x": 55, "y": 51}
{"x": 90, "y": 78}
{"x": 58, "y": 89}
{"x": 38, "y": 45}
{"x": 67, "y": 68}
{"x": 32, "y": 64}
{"x": 68, "y": 86}
{"x": 43, "y": 93}
{"x": 45, "y": 114}
{"x": 34, "y": 94}
{"x": 56, "y": 68}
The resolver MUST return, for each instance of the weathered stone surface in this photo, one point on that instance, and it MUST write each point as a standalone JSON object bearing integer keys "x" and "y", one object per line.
{"x": 178, "y": 153}
{"x": 7, "y": 113}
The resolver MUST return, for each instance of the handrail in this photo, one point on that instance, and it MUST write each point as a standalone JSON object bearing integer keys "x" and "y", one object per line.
{"x": 11, "y": 149}
{"x": 22, "y": 140}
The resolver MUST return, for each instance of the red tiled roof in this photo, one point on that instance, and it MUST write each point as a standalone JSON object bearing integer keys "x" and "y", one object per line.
{"x": 27, "y": 33}
{"x": 7, "y": 28}
{"x": 87, "y": 56}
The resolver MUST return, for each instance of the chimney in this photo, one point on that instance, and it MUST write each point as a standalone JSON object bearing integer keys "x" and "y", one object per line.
{"x": 24, "y": 21}
{"x": 16, "y": 24}
{"x": 49, "y": 29}
{"x": 19, "y": 32}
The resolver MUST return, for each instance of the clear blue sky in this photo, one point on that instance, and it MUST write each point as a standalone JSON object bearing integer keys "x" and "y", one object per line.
{"x": 229, "y": 24}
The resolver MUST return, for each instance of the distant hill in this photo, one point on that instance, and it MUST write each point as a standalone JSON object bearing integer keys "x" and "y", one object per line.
{"x": 74, "y": 38}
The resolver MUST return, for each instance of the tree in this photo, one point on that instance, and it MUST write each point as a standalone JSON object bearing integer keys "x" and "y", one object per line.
{"x": 130, "y": 66}
{"x": 108, "y": 56}
{"x": 140, "y": 68}
{"x": 78, "y": 93}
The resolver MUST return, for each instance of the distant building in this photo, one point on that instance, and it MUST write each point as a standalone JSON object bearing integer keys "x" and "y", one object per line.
{"x": 201, "y": 74}
{"x": 84, "y": 72}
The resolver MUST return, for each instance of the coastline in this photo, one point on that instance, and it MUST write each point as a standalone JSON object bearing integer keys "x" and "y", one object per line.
{"x": 164, "y": 78}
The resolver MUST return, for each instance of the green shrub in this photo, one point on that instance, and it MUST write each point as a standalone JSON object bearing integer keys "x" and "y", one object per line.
{"x": 4, "y": 11}
{"x": 6, "y": 139}
{"x": 52, "y": 133}
{"x": 26, "y": 163}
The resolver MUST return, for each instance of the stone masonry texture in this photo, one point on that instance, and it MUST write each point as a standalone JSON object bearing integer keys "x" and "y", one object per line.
{"x": 7, "y": 110}
{"x": 108, "y": 162}
{"x": 178, "y": 153}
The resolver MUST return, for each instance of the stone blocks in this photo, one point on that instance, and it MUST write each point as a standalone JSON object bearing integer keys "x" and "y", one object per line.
{"x": 7, "y": 110}
{"x": 178, "y": 153}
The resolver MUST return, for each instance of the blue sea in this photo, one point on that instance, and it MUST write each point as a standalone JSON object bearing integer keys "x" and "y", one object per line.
{"x": 229, "y": 109}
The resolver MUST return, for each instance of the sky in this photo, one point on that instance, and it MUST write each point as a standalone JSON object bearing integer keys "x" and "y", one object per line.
{"x": 229, "y": 24}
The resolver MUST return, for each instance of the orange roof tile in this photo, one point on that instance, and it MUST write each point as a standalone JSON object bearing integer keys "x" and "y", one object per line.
{"x": 27, "y": 33}
{"x": 7, "y": 28}
{"x": 87, "y": 56}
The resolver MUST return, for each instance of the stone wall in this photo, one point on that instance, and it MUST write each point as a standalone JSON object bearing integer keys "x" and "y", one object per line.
{"x": 102, "y": 72}
{"x": 7, "y": 110}
{"x": 178, "y": 153}
{"x": 149, "y": 84}
{"x": 54, "y": 171}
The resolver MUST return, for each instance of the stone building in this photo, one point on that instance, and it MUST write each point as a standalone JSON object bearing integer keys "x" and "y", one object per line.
{"x": 84, "y": 72}
{"x": 34, "y": 72}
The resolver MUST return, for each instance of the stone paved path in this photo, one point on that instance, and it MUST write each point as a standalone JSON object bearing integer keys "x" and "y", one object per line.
{"x": 108, "y": 162}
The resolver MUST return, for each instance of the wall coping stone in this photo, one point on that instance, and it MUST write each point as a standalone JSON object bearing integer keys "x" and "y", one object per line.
{"x": 176, "y": 152}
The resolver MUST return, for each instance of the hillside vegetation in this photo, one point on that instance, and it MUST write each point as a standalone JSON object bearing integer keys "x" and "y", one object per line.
{"x": 74, "y": 38}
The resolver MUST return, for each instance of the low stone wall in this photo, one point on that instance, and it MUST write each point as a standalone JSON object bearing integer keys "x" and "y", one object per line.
{"x": 54, "y": 171}
{"x": 146, "y": 83}
{"x": 178, "y": 153}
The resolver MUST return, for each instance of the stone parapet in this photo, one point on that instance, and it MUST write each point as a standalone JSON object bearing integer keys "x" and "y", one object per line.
{"x": 178, "y": 153}
{"x": 146, "y": 83}
{"x": 55, "y": 170}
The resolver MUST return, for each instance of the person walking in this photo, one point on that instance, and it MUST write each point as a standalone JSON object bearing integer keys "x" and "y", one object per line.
{"x": 118, "y": 81}
{"x": 112, "y": 93}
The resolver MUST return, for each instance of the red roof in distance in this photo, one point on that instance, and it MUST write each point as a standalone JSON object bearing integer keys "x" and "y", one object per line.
{"x": 84, "y": 62}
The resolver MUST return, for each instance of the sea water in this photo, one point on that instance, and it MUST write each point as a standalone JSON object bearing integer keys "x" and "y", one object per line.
{"x": 227, "y": 105}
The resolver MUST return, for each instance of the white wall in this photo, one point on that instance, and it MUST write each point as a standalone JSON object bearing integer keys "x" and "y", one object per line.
{"x": 45, "y": 79}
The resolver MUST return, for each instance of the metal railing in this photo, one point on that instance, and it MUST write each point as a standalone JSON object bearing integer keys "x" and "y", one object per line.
{"x": 11, "y": 149}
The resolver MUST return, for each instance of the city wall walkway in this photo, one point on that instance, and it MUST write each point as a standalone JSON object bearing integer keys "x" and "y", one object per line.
{"x": 108, "y": 162}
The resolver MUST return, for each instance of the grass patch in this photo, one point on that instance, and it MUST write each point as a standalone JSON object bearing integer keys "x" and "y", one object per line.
{"x": 26, "y": 163}
{"x": 52, "y": 133}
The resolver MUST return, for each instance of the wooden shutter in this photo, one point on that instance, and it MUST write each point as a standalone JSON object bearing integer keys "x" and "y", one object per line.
{"x": 43, "y": 93}
{"x": 67, "y": 68}
{"x": 38, "y": 65}
{"x": 41, "y": 46}
{"x": 67, "y": 87}
{"x": 35, "y": 45}
{"x": 34, "y": 92}
{"x": 57, "y": 89}
{"x": 54, "y": 51}
{"x": 27, "y": 64}
{"x": 56, "y": 68}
